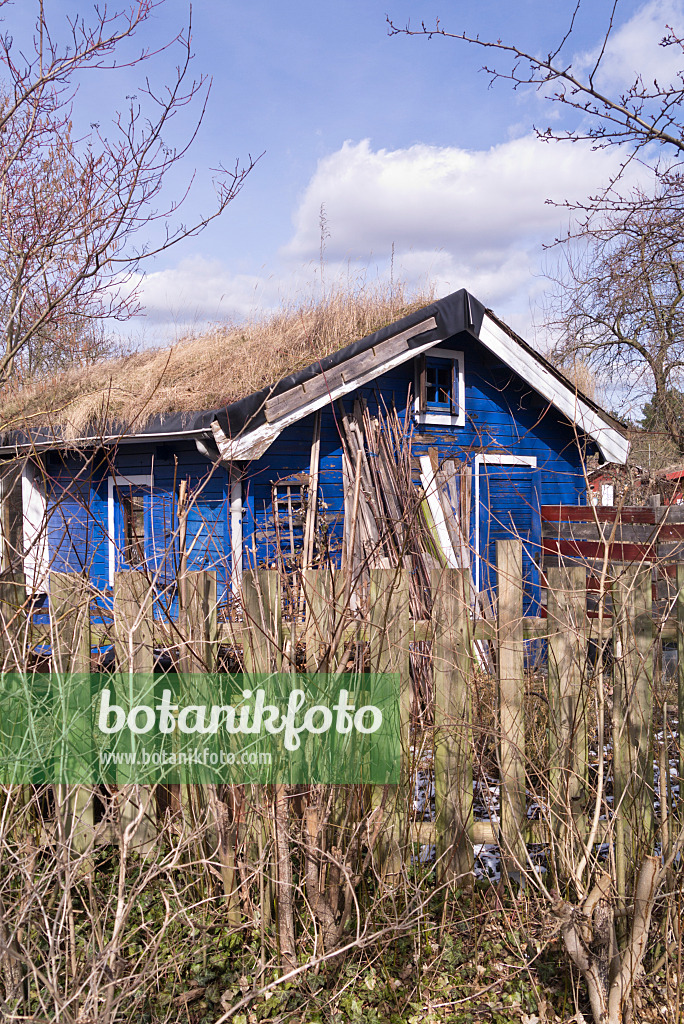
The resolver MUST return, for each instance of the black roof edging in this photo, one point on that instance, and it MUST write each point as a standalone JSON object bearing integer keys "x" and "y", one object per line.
{"x": 455, "y": 313}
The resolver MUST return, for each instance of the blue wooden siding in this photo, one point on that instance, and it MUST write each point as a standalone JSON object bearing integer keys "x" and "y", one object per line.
{"x": 77, "y": 532}
{"x": 503, "y": 416}
{"x": 78, "y": 511}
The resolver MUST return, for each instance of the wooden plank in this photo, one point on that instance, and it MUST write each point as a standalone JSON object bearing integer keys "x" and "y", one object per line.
{"x": 318, "y": 627}
{"x": 533, "y": 628}
{"x": 633, "y": 716}
{"x": 613, "y": 443}
{"x": 585, "y": 549}
{"x": 625, "y": 533}
{"x": 364, "y": 444}
{"x": 590, "y": 513}
{"x": 487, "y": 832}
{"x": 199, "y": 643}
{"x": 389, "y": 652}
{"x": 262, "y": 634}
{"x": 199, "y": 656}
{"x": 312, "y": 502}
{"x": 670, "y": 513}
{"x": 327, "y": 381}
{"x": 511, "y": 690}
{"x": 367, "y": 532}
{"x": 452, "y": 672}
{"x": 70, "y": 626}
{"x": 680, "y": 671}
{"x": 300, "y": 395}
{"x": 14, "y": 624}
{"x": 134, "y": 648}
{"x": 262, "y": 603}
{"x": 665, "y": 536}
{"x": 567, "y": 725}
{"x": 232, "y": 632}
{"x": 431, "y": 485}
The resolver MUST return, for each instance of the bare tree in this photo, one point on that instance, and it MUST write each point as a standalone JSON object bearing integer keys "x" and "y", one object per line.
{"x": 644, "y": 113}
{"x": 78, "y": 214}
{"x": 618, "y": 307}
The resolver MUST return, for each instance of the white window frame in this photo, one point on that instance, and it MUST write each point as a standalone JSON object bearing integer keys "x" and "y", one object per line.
{"x": 492, "y": 460}
{"x": 442, "y": 419}
{"x": 131, "y": 480}
{"x": 607, "y": 495}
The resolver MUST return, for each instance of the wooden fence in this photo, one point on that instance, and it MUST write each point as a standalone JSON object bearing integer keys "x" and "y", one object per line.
{"x": 586, "y": 651}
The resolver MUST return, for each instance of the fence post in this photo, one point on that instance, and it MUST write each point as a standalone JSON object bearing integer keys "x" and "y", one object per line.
{"x": 680, "y": 671}
{"x": 134, "y": 647}
{"x": 13, "y": 622}
{"x": 633, "y": 716}
{"x": 317, "y": 591}
{"x": 200, "y": 622}
{"x": 451, "y": 673}
{"x": 14, "y": 637}
{"x": 199, "y": 654}
{"x": 261, "y": 601}
{"x": 389, "y": 652}
{"x": 567, "y": 727}
{"x": 511, "y": 689}
{"x": 262, "y": 650}
{"x": 70, "y": 635}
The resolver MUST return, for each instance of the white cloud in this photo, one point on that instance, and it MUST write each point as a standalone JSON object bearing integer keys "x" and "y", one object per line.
{"x": 198, "y": 290}
{"x": 474, "y": 204}
{"x": 457, "y": 218}
{"x": 634, "y": 49}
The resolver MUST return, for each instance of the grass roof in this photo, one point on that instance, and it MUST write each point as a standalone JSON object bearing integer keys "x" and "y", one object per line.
{"x": 205, "y": 371}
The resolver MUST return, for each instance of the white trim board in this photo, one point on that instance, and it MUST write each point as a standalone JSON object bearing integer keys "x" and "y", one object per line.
{"x": 35, "y": 529}
{"x": 132, "y": 480}
{"x": 236, "y": 530}
{"x": 492, "y": 460}
{"x": 614, "y": 446}
{"x": 429, "y": 482}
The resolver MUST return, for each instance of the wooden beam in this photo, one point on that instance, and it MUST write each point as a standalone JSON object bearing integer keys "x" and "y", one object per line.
{"x": 590, "y": 513}
{"x": 134, "y": 647}
{"x": 370, "y": 361}
{"x": 511, "y": 691}
{"x": 70, "y": 625}
{"x": 680, "y": 671}
{"x": 567, "y": 729}
{"x": 389, "y": 652}
{"x": 452, "y": 678}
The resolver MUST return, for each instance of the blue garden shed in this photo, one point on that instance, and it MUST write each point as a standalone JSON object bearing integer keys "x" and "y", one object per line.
{"x": 270, "y": 473}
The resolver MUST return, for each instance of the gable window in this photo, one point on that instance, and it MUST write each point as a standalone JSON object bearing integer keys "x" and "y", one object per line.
{"x": 440, "y": 388}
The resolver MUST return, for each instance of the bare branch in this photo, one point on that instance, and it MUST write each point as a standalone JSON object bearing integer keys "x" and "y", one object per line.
{"x": 78, "y": 216}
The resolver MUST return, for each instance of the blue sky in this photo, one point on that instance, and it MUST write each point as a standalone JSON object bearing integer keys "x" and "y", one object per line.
{"x": 400, "y": 138}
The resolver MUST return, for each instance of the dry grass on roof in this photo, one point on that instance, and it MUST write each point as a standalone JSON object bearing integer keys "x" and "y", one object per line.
{"x": 208, "y": 371}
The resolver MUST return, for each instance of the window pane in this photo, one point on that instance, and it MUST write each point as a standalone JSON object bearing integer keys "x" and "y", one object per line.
{"x": 438, "y": 378}
{"x": 134, "y": 529}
